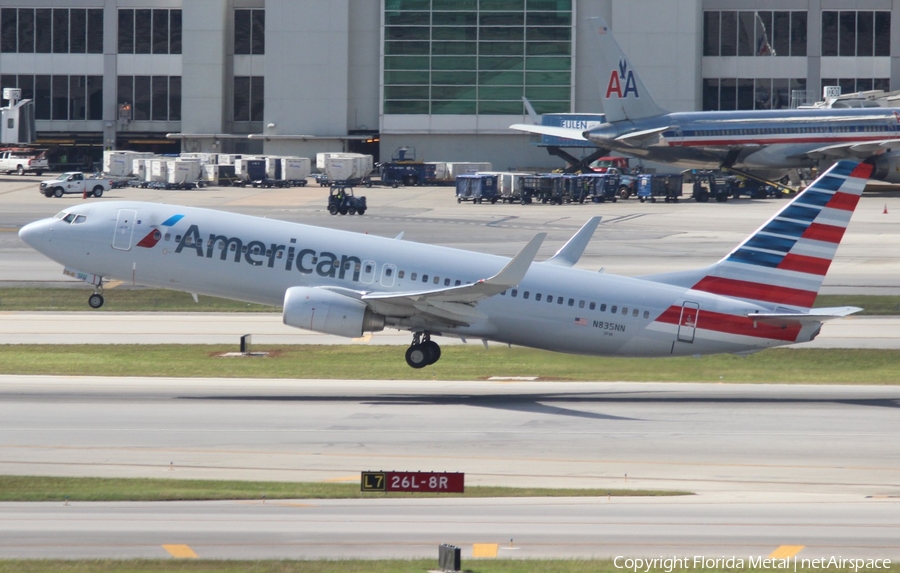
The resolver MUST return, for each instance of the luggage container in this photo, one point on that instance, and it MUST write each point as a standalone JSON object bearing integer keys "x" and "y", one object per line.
{"x": 295, "y": 170}
{"x": 602, "y": 187}
{"x": 651, "y": 186}
{"x": 476, "y": 187}
{"x": 546, "y": 188}
{"x": 219, "y": 175}
{"x": 183, "y": 174}
{"x": 511, "y": 188}
{"x": 139, "y": 168}
{"x": 457, "y": 168}
{"x": 574, "y": 190}
{"x": 202, "y": 158}
{"x": 228, "y": 158}
{"x": 121, "y": 163}
{"x": 349, "y": 167}
{"x": 441, "y": 172}
{"x": 158, "y": 170}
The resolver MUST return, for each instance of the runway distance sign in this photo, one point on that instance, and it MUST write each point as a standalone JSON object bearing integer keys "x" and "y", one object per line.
{"x": 430, "y": 482}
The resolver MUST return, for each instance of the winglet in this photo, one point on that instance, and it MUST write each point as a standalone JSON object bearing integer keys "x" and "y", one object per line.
{"x": 535, "y": 118}
{"x": 514, "y": 271}
{"x": 569, "y": 254}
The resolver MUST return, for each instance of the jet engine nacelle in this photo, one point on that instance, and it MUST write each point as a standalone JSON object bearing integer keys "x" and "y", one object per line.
{"x": 328, "y": 312}
{"x": 887, "y": 167}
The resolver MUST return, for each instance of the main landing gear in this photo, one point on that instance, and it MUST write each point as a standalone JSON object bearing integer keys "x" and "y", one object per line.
{"x": 96, "y": 299}
{"x": 423, "y": 351}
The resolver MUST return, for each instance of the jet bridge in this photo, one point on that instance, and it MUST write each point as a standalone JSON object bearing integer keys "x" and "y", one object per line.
{"x": 17, "y": 125}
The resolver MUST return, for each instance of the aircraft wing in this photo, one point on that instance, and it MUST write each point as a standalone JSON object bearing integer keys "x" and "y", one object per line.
{"x": 815, "y": 315}
{"x": 455, "y": 305}
{"x": 565, "y": 132}
{"x": 853, "y": 150}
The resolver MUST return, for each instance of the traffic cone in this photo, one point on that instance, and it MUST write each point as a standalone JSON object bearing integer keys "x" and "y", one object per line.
{"x": 885, "y": 210}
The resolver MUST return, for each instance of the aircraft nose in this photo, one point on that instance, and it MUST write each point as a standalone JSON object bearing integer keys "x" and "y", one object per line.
{"x": 32, "y": 234}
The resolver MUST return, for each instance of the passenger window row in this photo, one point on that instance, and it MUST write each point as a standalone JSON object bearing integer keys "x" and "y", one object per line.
{"x": 550, "y": 299}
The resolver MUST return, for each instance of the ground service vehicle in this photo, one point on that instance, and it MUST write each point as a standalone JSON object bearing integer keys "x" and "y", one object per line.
{"x": 341, "y": 200}
{"x": 75, "y": 182}
{"x": 22, "y": 161}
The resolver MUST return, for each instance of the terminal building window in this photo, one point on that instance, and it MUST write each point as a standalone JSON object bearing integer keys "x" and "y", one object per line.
{"x": 250, "y": 32}
{"x": 754, "y": 33}
{"x": 856, "y": 33}
{"x": 60, "y": 97}
{"x": 853, "y": 85}
{"x": 146, "y": 31}
{"x": 51, "y": 30}
{"x": 150, "y": 98}
{"x": 477, "y": 56}
{"x": 749, "y": 93}
{"x": 249, "y": 98}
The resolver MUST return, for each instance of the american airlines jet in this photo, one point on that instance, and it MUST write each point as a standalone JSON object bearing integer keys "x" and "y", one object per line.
{"x": 769, "y": 143}
{"x": 759, "y": 296}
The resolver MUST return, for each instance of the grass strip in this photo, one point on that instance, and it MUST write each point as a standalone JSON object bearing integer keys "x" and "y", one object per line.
{"x": 132, "y": 299}
{"x": 374, "y": 566}
{"x": 118, "y": 300}
{"x": 41, "y": 488}
{"x": 458, "y": 362}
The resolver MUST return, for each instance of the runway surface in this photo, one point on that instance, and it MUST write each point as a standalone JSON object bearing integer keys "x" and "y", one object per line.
{"x": 505, "y": 528}
{"x": 93, "y": 327}
{"x": 771, "y": 465}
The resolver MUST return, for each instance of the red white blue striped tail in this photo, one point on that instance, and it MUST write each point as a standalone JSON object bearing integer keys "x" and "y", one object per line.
{"x": 785, "y": 260}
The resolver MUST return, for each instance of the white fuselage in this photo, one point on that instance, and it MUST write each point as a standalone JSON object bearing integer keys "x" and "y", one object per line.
{"x": 256, "y": 260}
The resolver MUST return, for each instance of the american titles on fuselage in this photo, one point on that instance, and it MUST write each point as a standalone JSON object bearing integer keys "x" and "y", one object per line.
{"x": 258, "y": 253}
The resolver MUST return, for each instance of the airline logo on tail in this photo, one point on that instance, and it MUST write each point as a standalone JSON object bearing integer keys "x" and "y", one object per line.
{"x": 621, "y": 82}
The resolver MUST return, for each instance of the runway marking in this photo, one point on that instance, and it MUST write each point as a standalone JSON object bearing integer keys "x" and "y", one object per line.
{"x": 486, "y": 550}
{"x": 9, "y": 229}
{"x": 342, "y": 479}
{"x": 786, "y": 551}
{"x": 180, "y": 551}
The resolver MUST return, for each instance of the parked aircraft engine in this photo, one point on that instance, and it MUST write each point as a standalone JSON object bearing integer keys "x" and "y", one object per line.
{"x": 328, "y": 312}
{"x": 887, "y": 167}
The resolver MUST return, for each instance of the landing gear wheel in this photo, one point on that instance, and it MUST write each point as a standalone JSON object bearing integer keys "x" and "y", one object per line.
{"x": 417, "y": 356}
{"x": 95, "y": 300}
{"x": 433, "y": 350}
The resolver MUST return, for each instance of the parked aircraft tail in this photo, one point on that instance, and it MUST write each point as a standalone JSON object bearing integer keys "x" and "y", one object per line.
{"x": 624, "y": 94}
{"x": 783, "y": 263}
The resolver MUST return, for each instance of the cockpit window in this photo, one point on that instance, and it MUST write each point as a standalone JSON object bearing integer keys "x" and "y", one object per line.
{"x": 70, "y": 217}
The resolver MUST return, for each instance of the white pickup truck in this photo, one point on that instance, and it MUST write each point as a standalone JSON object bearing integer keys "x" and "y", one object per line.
{"x": 22, "y": 161}
{"x": 75, "y": 182}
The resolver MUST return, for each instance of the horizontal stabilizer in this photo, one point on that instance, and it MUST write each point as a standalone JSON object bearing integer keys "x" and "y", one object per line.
{"x": 569, "y": 254}
{"x": 815, "y": 315}
{"x": 565, "y": 132}
{"x": 639, "y": 138}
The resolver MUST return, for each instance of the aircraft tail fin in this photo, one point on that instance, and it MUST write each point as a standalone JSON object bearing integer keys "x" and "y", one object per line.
{"x": 784, "y": 262}
{"x": 624, "y": 94}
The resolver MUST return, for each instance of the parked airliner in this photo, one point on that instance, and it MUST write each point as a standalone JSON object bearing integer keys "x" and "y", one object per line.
{"x": 769, "y": 143}
{"x": 346, "y": 284}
